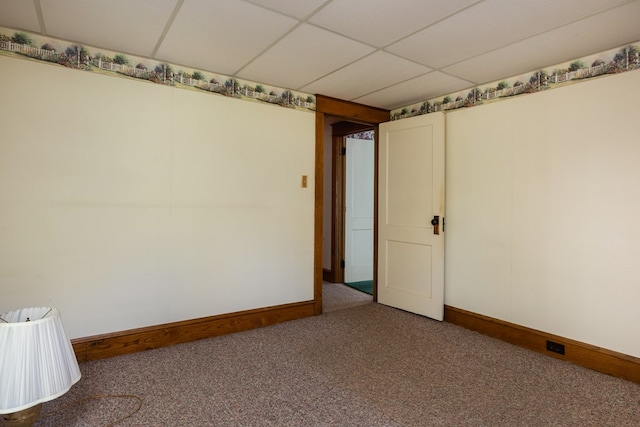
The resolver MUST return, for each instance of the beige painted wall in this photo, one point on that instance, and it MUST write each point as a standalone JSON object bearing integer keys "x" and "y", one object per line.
{"x": 543, "y": 201}
{"x": 127, "y": 204}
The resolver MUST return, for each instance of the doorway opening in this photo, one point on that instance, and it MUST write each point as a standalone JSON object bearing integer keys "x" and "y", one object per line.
{"x": 349, "y": 168}
{"x": 355, "y": 216}
{"x": 335, "y": 120}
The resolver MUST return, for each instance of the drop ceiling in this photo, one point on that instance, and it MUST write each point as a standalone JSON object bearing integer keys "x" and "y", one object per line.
{"x": 383, "y": 53}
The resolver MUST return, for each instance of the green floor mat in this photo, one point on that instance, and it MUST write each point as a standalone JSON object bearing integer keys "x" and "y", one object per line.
{"x": 365, "y": 286}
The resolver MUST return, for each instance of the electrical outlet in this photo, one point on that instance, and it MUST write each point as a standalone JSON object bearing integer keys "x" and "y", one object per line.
{"x": 555, "y": 347}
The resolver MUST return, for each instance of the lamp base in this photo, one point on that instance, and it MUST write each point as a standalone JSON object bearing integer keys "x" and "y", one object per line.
{"x": 26, "y": 417}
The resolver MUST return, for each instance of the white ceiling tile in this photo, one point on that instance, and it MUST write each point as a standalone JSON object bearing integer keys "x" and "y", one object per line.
{"x": 118, "y": 25}
{"x": 590, "y": 35}
{"x": 492, "y": 24}
{"x": 369, "y": 74}
{"x": 304, "y": 55}
{"x": 297, "y": 8}
{"x": 222, "y": 35}
{"x": 380, "y": 22}
{"x": 415, "y": 90}
{"x": 19, "y": 14}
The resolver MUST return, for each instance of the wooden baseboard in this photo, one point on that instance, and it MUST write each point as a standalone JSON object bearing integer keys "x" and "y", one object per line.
{"x": 134, "y": 340}
{"x": 589, "y": 356}
{"x": 327, "y": 275}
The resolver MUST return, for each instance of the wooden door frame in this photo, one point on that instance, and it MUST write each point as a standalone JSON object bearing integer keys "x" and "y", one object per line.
{"x": 355, "y": 113}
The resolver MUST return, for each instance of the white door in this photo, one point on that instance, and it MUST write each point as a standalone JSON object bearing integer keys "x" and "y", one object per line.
{"x": 411, "y": 194}
{"x": 359, "y": 185}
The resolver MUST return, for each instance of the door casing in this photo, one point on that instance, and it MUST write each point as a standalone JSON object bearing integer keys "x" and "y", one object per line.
{"x": 350, "y": 112}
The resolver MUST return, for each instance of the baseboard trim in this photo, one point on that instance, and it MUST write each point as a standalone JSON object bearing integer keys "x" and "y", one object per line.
{"x": 579, "y": 353}
{"x": 327, "y": 275}
{"x": 135, "y": 340}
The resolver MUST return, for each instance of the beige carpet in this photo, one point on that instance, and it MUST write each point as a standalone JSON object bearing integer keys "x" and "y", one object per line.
{"x": 336, "y": 296}
{"x": 368, "y": 365}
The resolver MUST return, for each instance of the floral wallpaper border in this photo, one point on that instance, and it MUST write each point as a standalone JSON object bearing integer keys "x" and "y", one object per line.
{"x": 26, "y": 45}
{"x": 612, "y": 61}
{"x": 22, "y": 44}
{"x": 368, "y": 135}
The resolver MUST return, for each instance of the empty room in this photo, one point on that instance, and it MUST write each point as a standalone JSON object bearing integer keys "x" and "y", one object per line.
{"x": 186, "y": 186}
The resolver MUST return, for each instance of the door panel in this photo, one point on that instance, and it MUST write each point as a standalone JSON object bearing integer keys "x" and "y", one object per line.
{"x": 408, "y": 151}
{"x": 411, "y": 193}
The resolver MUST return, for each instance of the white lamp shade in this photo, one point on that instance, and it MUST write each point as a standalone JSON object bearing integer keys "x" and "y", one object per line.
{"x": 37, "y": 362}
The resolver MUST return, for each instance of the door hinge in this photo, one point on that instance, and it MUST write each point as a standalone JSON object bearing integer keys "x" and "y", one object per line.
{"x": 343, "y": 151}
{"x": 341, "y": 263}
